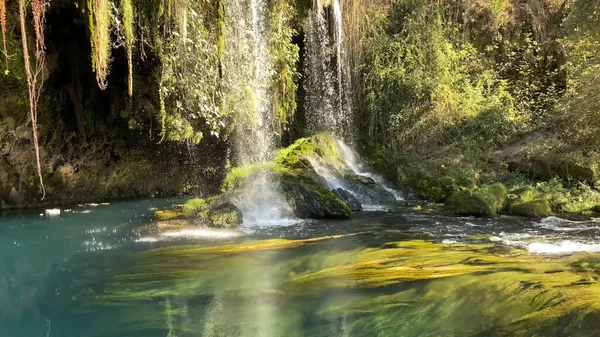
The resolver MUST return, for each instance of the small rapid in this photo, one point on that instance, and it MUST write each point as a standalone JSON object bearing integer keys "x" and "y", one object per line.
{"x": 352, "y": 159}
{"x": 547, "y": 236}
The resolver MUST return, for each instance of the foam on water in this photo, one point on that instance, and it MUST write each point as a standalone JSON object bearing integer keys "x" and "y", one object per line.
{"x": 375, "y": 208}
{"x": 283, "y": 222}
{"x": 52, "y": 212}
{"x": 563, "y": 225}
{"x": 202, "y": 233}
{"x": 563, "y": 247}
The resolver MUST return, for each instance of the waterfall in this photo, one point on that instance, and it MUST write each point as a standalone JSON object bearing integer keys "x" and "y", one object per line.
{"x": 247, "y": 76}
{"x": 351, "y": 159}
{"x": 248, "y": 79}
{"x": 327, "y": 77}
{"x": 261, "y": 82}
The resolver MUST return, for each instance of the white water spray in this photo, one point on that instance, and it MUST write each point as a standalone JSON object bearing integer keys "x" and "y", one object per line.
{"x": 248, "y": 73}
{"x": 351, "y": 159}
{"x": 327, "y": 79}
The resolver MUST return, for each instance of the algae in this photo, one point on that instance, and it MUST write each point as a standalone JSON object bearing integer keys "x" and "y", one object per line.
{"x": 412, "y": 286}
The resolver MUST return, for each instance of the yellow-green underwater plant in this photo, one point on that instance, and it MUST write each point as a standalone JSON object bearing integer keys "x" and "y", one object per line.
{"x": 401, "y": 288}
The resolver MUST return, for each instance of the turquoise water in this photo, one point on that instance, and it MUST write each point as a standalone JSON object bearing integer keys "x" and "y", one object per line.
{"x": 112, "y": 271}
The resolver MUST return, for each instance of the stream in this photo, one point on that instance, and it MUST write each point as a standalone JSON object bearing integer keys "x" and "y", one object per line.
{"x": 110, "y": 270}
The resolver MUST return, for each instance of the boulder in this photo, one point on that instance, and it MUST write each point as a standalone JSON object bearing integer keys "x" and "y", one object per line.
{"x": 368, "y": 191}
{"x": 351, "y": 201}
{"x": 225, "y": 215}
{"x": 540, "y": 208}
{"x": 309, "y": 201}
{"x": 489, "y": 200}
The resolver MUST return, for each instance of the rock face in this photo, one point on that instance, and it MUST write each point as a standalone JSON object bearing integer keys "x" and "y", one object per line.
{"x": 351, "y": 201}
{"x": 368, "y": 191}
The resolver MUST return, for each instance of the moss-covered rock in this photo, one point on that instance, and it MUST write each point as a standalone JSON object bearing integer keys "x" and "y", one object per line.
{"x": 466, "y": 203}
{"x": 348, "y": 198}
{"x": 437, "y": 186}
{"x": 303, "y": 172}
{"x": 547, "y": 162}
{"x": 306, "y": 193}
{"x": 368, "y": 191}
{"x": 167, "y": 215}
{"x": 537, "y": 208}
{"x": 216, "y": 211}
{"x": 225, "y": 215}
{"x": 313, "y": 201}
{"x": 489, "y": 200}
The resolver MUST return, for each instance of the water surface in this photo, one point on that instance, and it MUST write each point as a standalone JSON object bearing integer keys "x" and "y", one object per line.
{"x": 111, "y": 271}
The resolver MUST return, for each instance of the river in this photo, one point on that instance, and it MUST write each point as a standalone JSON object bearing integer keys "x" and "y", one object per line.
{"x": 110, "y": 270}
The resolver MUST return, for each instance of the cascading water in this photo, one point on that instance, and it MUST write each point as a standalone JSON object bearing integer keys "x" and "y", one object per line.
{"x": 351, "y": 159}
{"x": 248, "y": 71}
{"x": 327, "y": 79}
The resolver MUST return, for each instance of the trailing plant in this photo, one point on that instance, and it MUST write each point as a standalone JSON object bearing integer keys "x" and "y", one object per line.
{"x": 128, "y": 30}
{"x": 190, "y": 76}
{"x": 99, "y": 14}
{"x": 3, "y": 28}
{"x": 34, "y": 71}
{"x": 285, "y": 56}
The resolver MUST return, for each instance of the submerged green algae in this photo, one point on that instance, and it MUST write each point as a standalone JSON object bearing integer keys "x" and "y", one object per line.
{"x": 409, "y": 288}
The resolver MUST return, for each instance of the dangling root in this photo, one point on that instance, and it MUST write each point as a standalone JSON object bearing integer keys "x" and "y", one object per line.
{"x": 33, "y": 77}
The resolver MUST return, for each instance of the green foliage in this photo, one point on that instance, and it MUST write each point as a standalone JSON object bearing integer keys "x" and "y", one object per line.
{"x": 284, "y": 57}
{"x": 582, "y": 104}
{"x": 421, "y": 80}
{"x": 190, "y": 83}
{"x": 99, "y": 16}
{"x": 129, "y": 35}
{"x": 577, "y": 199}
{"x": 194, "y": 206}
{"x": 532, "y": 80}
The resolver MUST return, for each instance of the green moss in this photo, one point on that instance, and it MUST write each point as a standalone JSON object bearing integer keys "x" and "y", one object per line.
{"x": 465, "y": 203}
{"x": 194, "y": 206}
{"x": 318, "y": 146}
{"x": 434, "y": 184}
{"x": 169, "y": 215}
{"x": 226, "y": 215}
{"x": 537, "y": 208}
{"x": 577, "y": 199}
{"x": 238, "y": 175}
{"x": 488, "y": 200}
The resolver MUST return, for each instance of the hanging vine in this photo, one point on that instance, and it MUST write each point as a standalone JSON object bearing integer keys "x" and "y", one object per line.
{"x": 35, "y": 74}
{"x": 3, "y": 28}
{"x": 128, "y": 30}
{"x": 99, "y": 24}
